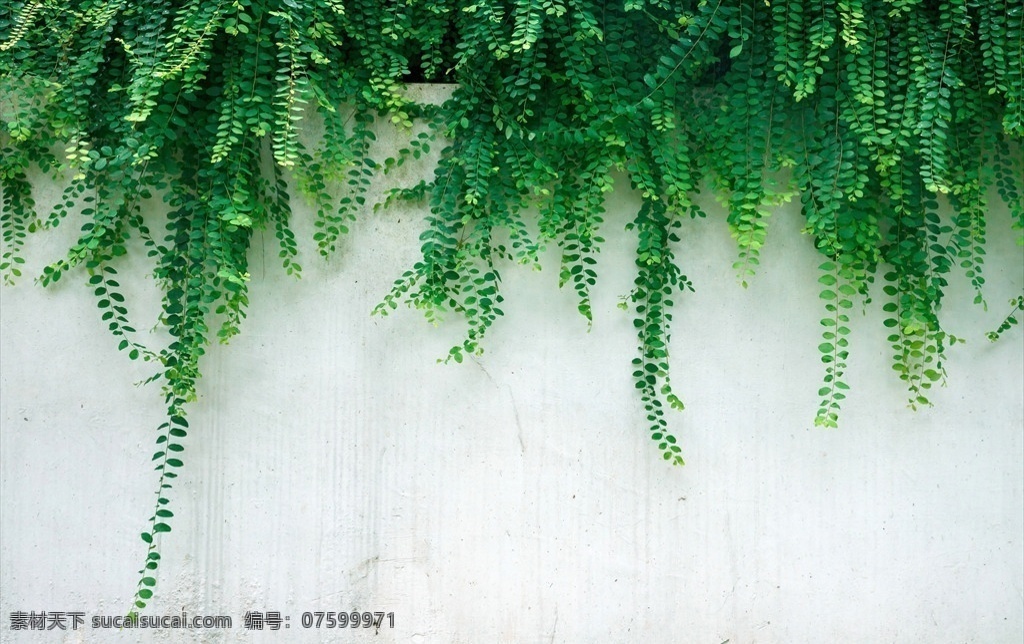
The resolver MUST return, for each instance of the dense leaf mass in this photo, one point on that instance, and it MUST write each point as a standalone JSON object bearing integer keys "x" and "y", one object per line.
{"x": 871, "y": 112}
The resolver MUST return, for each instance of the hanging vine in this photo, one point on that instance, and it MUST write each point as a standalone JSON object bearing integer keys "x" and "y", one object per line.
{"x": 873, "y": 112}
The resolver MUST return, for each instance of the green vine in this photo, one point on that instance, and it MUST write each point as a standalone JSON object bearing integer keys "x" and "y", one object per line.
{"x": 876, "y": 113}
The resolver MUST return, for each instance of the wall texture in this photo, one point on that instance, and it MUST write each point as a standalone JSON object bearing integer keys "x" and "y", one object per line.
{"x": 333, "y": 465}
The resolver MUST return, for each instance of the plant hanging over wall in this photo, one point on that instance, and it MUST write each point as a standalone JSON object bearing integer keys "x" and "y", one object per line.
{"x": 870, "y": 111}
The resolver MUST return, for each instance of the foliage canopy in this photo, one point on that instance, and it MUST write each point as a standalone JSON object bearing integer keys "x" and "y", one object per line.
{"x": 869, "y": 111}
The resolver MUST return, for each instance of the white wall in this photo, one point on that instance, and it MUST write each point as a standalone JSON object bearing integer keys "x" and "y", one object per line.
{"x": 516, "y": 497}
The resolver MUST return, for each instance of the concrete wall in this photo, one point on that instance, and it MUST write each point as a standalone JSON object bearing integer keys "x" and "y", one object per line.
{"x": 333, "y": 465}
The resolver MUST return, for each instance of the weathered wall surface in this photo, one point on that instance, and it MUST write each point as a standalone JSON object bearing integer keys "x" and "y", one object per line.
{"x": 333, "y": 465}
